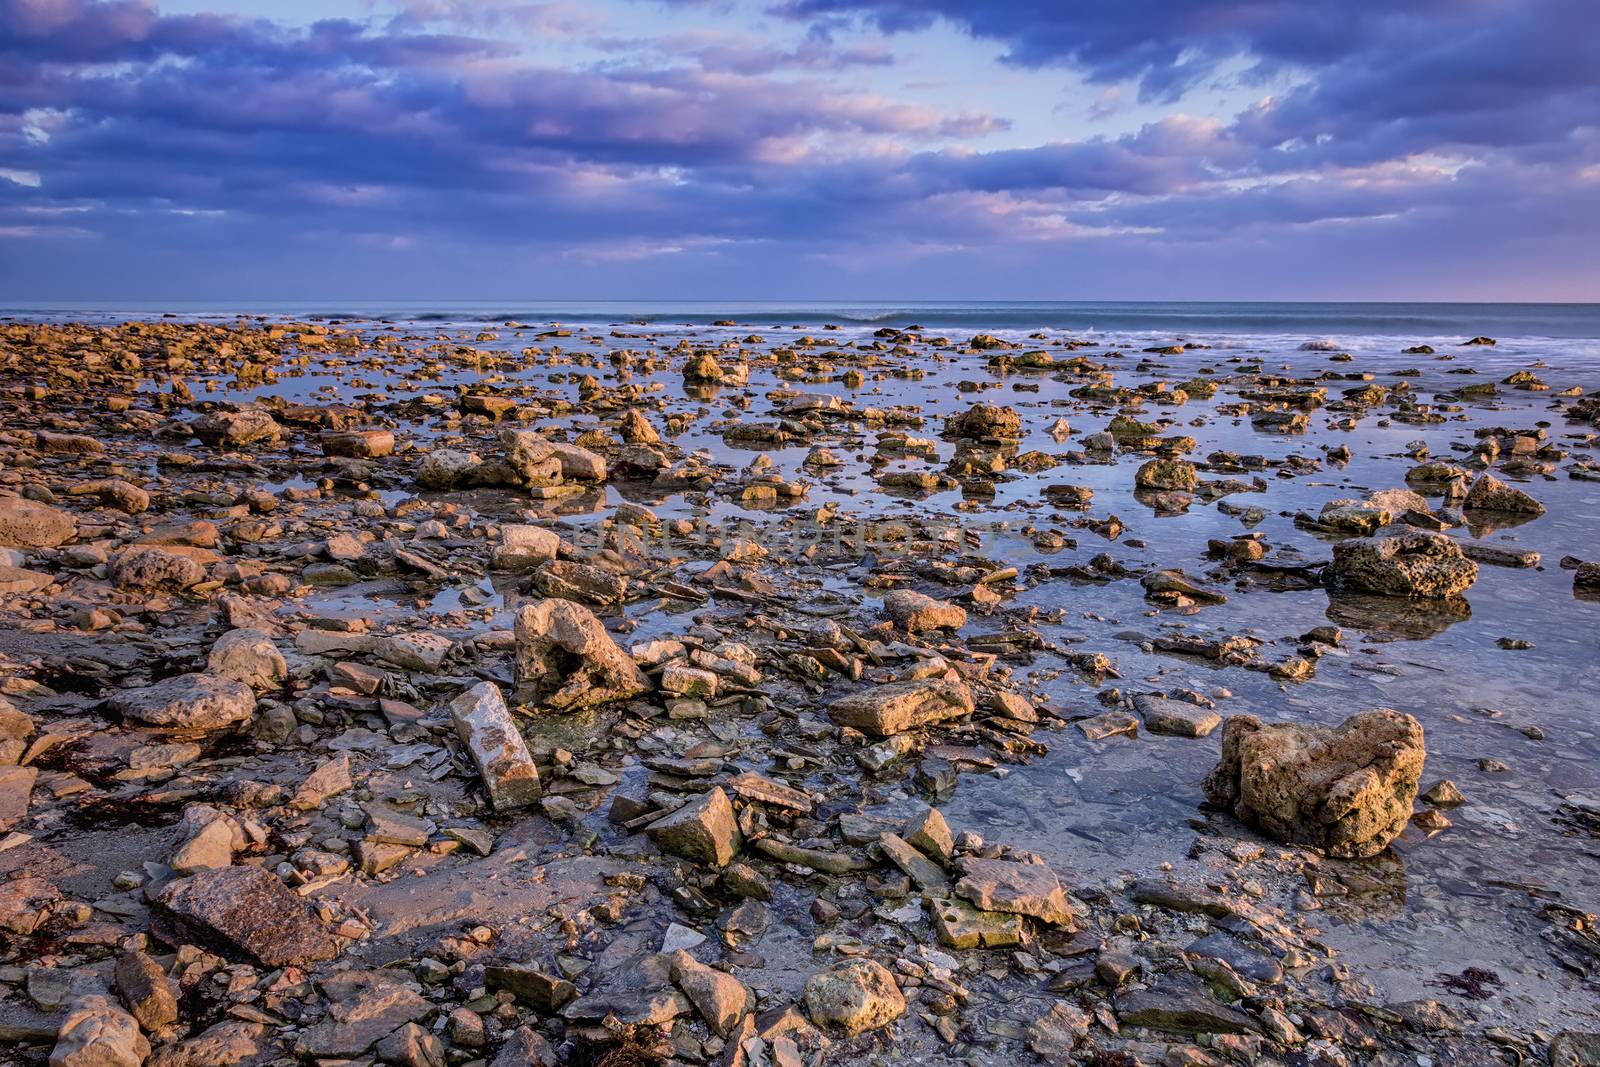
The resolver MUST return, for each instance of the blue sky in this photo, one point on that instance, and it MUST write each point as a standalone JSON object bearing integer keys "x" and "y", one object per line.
{"x": 802, "y": 149}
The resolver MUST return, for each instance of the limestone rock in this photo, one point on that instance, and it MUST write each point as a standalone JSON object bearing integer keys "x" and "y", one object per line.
{"x": 188, "y": 702}
{"x": 97, "y": 1033}
{"x": 703, "y": 830}
{"x": 918, "y": 612}
{"x": 485, "y": 727}
{"x": 1172, "y": 475}
{"x": 565, "y": 658}
{"x": 363, "y": 1008}
{"x": 231, "y": 429}
{"x": 447, "y": 468}
{"x": 149, "y": 569}
{"x": 248, "y": 655}
{"x": 896, "y": 707}
{"x": 523, "y": 547}
{"x": 985, "y": 422}
{"x": 1407, "y": 564}
{"x": 1179, "y": 718}
{"x": 1489, "y": 493}
{"x": 358, "y": 444}
{"x": 1347, "y": 790}
{"x": 222, "y": 1045}
{"x": 856, "y": 995}
{"x": 720, "y": 998}
{"x": 28, "y": 524}
{"x": 146, "y": 990}
{"x": 1016, "y": 888}
{"x": 243, "y": 913}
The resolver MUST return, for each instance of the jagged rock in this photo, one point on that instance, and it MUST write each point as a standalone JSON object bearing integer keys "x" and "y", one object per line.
{"x": 856, "y": 995}
{"x": 1017, "y": 889}
{"x": 485, "y": 727}
{"x": 223, "y": 1045}
{"x": 526, "y": 1047}
{"x": 206, "y": 839}
{"x": 363, "y": 1008}
{"x": 523, "y": 547}
{"x": 900, "y": 706}
{"x": 565, "y": 659}
{"x": 1057, "y": 1032}
{"x": 148, "y": 569}
{"x": 97, "y": 1033}
{"x": 918, "y": 612}
{"x": 1489, "y": 493}
{"x": 1169, "y": 475}
{"x": 529, "y": 455}
{"x": 1406, "y": 564}
{"x": 16, "y": 787}
{"x": 146, "y": 990}
{"x": 1347, "y": 790}
{"x": 328, "y": 780}
{"x": 720, "y": 998}
{"x": 188, "y": 702}
{"x": 985, "y": 422}
{"x": 248, "y": 655}
{"x": 447, "y": 468}
{"x": 243, "y": 913}
{"x": 703, "y": 830}
{"x": 234, "y": 428}
{"x": 1181, "y": 1006}
{"x": 411, "y": 1046}
{"x": 28, "y": 524}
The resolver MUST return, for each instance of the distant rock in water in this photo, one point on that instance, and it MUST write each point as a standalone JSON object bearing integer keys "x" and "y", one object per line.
{"x": 1321, "y": 344}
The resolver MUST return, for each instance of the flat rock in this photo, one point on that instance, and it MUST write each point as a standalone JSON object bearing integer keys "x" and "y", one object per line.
{"x": 1019, "y": 888}
{"x": 243, "y": 913}
{"x": 188, "y": 702}
{"x": 363, "y": 1008}
{"x": 897, "y": 707}
{"x": 27, "y": 523}
{"x": 1181, "y": 1007}
{"x": 1177, "y": 718}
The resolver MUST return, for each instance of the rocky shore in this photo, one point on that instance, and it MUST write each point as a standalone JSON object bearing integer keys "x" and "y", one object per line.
{"x": 372, "y": 693}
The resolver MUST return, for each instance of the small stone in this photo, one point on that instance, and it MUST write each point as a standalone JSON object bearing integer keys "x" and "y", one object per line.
{"x": 485, "y": 727}
{"x": 703, "y": 830}
{"x": 147, "y": 992}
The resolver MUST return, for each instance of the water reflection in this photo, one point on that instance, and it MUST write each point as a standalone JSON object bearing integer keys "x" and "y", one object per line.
{"x": 1385, "y": 618}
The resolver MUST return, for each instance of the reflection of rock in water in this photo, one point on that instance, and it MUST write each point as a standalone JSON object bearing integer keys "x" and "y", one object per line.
{"x": 1361, "y": 890}
{"x": 1397, "y": 618}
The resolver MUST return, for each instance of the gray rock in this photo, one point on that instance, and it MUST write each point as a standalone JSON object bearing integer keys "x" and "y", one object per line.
{"x": 703, "y": 830}
{"x": 1177, "y": 718}
{"x": 188, "y": 702}
{"x": 486, "y": 728}
{"x": 363, "y": 1008}
{"x": 900, "y": 706}
{"x": 565, "y": 659}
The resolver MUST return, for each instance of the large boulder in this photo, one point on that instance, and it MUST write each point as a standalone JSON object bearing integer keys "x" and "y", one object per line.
{"x": 1347, "y": 790}
{"x": 1169, "y": 475}
{"x": 188, "y": 702}
{"x": 29, "y": 524}
{"x": 856, "y": 995}
{"x": 566, "y": 660}
{"x": 900, "y": 706}
{"x": 1405, "y": 564}
{"x": 447, "y": 468}
{"x": 150, "y": 569}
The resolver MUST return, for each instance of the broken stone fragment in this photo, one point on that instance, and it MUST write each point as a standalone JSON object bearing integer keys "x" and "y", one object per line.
{"x": 1489, "y": 493}
{"x": 721, "y": 999}
{"x": 565, "y": 659}
{"x": 244, "y": 914}
{"x": 188, "y": 702}
{"x": 529, "y": 456}
{"x": 328, "y": 780}
{"x": 358, "y": 444}
{"x": 1406, "y": 564}
{"x": 900, "y": 706}
{"x": 856, "y": 995}
{"x": 28, "y": 524}
{"x": 543, "y": 992}
{"x": 447, "y": 468}
{"x": 522, "y": 547}
{"x": 97, "y": 1033}
{"x": 703, "y": 830}
{"x": 1018, "y": 888}
{"x": 249, "y": 656}
{"x": 961, "y": 926}
{"x": 485, "y": 727}
{"x": 1177, "y": 718}
{"x": 363, "y": 1008}
{"x": 1347, "y": 790}
{"x": 207, "y": 840}
{"x": 146, "y": 990}
{"x": 149, "y": 569}
{"x": 223, "y": 1045}
{"x": 917, "y": 612}
{"x": 919, "y": 868}
{"x": 234, "y": 428}
{"x": 1053, "y": 1035}
{"x": 1181, "y": 1006}
{"x": 929, "y": 833}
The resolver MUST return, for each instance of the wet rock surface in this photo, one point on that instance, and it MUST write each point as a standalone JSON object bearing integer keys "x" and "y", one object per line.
{"x": 460, "y": 694}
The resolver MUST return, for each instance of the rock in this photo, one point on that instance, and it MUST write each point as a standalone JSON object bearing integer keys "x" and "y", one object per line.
{"x": 358, "y": 444}
{"x": 1168, "y": 475}
{"x": 148, "y": 569}
{"x": 1586, "y": 576}
{"x": 188, "y": 703}
{"x": 1575, "y": 1048}
{"x": 328, "y": 780}
{"x": 896, "y": 707}
{"x": 16, "y": 787}
{"x": 447, "y": 468}
{"x": 918, "y": 612}
{"x": 919, "y": 868}
{"x": 411, "y": 1046}
{"x": 1181, "y": 1006}
{"x": 1347, "y": 790}
{"x": 1489, "y": 493}
{"x": 961, "y": 926}
{"x": 535, "y": 461}
{"x": 1444, "y": 794}
{"x": 565, "y": 659}
{"x": 703, "y": 830}
{"x": 1017, "y": 889}
{"x": 28, "y": 524}
{"x": 544, "y": 993}
{"x": 222, "y": 1045}
{"x": 985, "y": 422}
{"x": 526, "y": 1047}
{"x": 248, "y": 655}
{"x": 15, "y": 581}
{"x": 523, "y": 547}
{"x": 146, "y": 990}
{"x": 234, "y": 428}
{"x": 1057, "y": 1032}
{"x": 363, "y": 1008}
{"x": 929, "y": 833}
{"x": 207, "y": 840}
{"x": 1178, "y": 718}
{"x": 420, "y": 651}
{"x": 721, "y": 999}
{"x": 97, "y": 1033}
{"x": 1405, "y": 564}
{"x": 242, "y": 913}
{"x": 485, "y": 727}
{"x": 856, "y": 995}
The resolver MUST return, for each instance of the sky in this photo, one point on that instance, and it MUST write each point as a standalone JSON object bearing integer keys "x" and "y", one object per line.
{"x": 452, "y": 150}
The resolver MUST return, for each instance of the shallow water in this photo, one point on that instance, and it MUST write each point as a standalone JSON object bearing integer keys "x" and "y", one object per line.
{"x": 1459, "y": 899}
